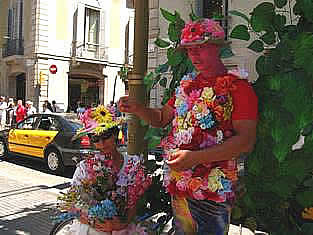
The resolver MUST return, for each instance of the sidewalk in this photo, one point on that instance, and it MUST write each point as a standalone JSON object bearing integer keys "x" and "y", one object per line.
{"x": 27, "y": 196}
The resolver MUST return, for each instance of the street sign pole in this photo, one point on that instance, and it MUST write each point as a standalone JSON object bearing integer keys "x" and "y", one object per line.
{"x": 135, "y": 79}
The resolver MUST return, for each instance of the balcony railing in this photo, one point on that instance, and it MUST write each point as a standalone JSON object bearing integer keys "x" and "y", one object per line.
{"x": 13, "y": 47}
{"x": 89, "y": 51}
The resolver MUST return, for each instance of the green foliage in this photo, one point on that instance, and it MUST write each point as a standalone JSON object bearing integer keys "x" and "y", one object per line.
{"x": 279, "y": 181}
{"x": 240, "y": 32}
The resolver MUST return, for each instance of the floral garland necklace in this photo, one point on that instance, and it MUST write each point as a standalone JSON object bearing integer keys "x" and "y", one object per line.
{"x": 202, "y": 119}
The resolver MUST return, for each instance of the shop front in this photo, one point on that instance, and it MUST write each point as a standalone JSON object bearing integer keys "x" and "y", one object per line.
{"x": 85, "y": 85}
{"x": 84, "y": 90}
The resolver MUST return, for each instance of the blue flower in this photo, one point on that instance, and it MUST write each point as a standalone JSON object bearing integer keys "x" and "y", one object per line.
{"x": 227, "y": 185}
{"x": 182, "y": 109}
{"x": 106, "y": 209}
{"x": 207, "y": 122}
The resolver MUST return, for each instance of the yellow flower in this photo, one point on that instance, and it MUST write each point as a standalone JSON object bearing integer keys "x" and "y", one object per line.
{"x": 214, "y": 182}
{"x": 102, "y": 115}
{"x": 228, "y": 108}
{"x": 208, "y": 94}
{"x": 308, "y": 213}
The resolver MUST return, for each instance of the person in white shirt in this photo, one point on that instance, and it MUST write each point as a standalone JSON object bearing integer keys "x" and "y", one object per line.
{"x": 45, "y": 109}
{"x": 3, "y": 107}
{"x": 30, "y": 108}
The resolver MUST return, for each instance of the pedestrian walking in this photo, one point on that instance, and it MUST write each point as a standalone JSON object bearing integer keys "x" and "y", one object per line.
{"x": 10, "y": 112}
{"x": 214, "y": 119}
{"x": 3, "y": 107}
{"x": 55, "y": 107}
{"x": 30, "y": 109}
{"x": 20, "y": 111}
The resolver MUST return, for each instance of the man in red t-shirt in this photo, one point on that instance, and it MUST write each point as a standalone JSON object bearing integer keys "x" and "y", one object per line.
{"x": 20, "y": 111}
{"x": 214, "y": 116}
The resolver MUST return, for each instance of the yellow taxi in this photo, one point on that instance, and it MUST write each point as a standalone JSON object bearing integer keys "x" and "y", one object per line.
{"x": 46, "y": 137}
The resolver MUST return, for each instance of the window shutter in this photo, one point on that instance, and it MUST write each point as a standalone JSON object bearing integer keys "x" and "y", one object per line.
{"x": 80, "y": 30}
{"x": 102, "y": 35}
{"x": 10, "y": 23}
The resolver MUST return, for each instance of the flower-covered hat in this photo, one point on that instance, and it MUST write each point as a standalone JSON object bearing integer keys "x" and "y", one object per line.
{"x": 97, "y": 121}
{"x": 202, "y": 31}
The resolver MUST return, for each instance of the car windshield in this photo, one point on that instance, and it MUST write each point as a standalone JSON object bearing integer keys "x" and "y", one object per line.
{"x": 73, "y": 121}
{"x": 75, "y": 125}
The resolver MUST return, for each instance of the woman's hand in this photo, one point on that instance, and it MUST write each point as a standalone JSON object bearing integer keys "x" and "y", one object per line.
{"x": 182, "y": 160}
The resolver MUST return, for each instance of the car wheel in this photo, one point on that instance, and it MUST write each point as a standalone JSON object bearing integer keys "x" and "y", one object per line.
{"x": 54, "y": 161}
{"x": 3, "y": 149}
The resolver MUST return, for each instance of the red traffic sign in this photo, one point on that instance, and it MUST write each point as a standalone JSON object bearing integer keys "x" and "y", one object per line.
{"x": 53, "y": 69}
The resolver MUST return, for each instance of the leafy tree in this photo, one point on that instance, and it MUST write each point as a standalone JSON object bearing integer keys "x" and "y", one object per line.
{"x": 279, "y": 181}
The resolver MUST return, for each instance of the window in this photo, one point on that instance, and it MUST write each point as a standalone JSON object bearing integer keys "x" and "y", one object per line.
{"x": 92, "y": 25}
{"x": 216, "y": 9}
{"x": 28, "y": 124}
{"x": 49, "y": 124}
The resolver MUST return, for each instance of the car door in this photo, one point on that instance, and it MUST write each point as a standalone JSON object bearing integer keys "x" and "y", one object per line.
{"x": 19, "y": 137}
{"x": 44, "y": 134}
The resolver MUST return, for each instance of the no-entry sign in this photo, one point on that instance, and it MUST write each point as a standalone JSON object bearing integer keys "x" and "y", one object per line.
{"x": 53, "y": 69}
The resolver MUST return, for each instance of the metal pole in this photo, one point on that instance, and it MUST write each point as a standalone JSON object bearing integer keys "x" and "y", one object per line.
{"x": 135, "y": 80}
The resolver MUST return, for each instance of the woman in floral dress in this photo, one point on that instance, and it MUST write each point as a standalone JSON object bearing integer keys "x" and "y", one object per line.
{"x": 106, "y": 186}
{"x": 214, "y": 116}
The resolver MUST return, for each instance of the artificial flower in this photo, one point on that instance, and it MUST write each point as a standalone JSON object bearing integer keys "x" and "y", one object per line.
{"x": 307, "y": 213}
{"x": 102, "y": 115}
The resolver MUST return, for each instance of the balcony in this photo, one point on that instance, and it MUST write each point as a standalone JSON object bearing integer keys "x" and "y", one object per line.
{"x": 90, "y": 51}
{"x": 13, "y": 47}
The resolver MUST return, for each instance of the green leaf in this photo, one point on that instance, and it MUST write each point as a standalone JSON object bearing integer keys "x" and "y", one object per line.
{"x": 305, "y": 198}
{"x": 148, "y": 78}
{"x": 240, "y": 32}
{"x": 280, "y": 3}
{"x": 175, "y": 58}
{"x": 193, "y": 16}
{"x": 256, "y": 46}
{"x": 162, "y": 43}
{"x": 304, "y": 52}
{"x": 240, "y": 14}
{"x": 168, "y": 16}
{"x": 226, "y": 52}
{"x": 279, "y": 22}
{"x": 154, "y": 141}
{"x": 269, "y": 38}
{"x": 163, "y": 82}
{"x": 162, "y": 68}
{"x": 173, "y": 32}
{"x": 262, "y": 17}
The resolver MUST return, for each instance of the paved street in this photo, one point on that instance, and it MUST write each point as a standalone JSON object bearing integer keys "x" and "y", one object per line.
{"x": 27, "y": 193}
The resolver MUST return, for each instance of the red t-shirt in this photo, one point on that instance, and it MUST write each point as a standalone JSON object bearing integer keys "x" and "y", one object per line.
{"x": 245, "y": 101}
{"x": 20, "y": 113}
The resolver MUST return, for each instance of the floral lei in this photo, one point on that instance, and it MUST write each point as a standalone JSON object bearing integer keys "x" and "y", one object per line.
{"x": 202, "y": 119}
{"x": 100, "y": 192}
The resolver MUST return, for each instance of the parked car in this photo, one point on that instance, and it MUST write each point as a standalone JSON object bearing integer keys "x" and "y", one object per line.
{"x": 46, "y": 137}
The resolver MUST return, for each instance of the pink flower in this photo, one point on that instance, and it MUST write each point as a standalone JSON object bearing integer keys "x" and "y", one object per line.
{"x": 182, "y": 185}
{"x": 199, "y": 195}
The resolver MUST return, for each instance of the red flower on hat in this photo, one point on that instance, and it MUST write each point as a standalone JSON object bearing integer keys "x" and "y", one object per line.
{"x": 192, "y": 32}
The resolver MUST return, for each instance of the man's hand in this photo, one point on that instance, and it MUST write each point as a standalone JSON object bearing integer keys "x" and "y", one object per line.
{"x": 128, "y": 104}
{"x": 182, "y": 160}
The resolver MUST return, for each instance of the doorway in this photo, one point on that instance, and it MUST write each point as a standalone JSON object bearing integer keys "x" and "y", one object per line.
{"x": 82, "y": 90}
{"x": 21, "y": 87}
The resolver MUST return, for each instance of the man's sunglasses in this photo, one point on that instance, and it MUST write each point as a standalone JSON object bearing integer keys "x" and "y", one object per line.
{"x": 97, "y": 138}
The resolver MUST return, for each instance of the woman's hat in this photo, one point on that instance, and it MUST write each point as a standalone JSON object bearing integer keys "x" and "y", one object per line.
{"x": 97, "y": 121}
{"x": 202, "y": 31}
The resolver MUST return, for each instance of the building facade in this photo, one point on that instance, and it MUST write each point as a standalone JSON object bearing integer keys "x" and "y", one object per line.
{"x": 158, "y": 27}
{"x": 64, "y": 50}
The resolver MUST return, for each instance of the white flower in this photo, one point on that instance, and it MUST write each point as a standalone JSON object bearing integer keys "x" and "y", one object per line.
{"x": 219, "y": 137}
